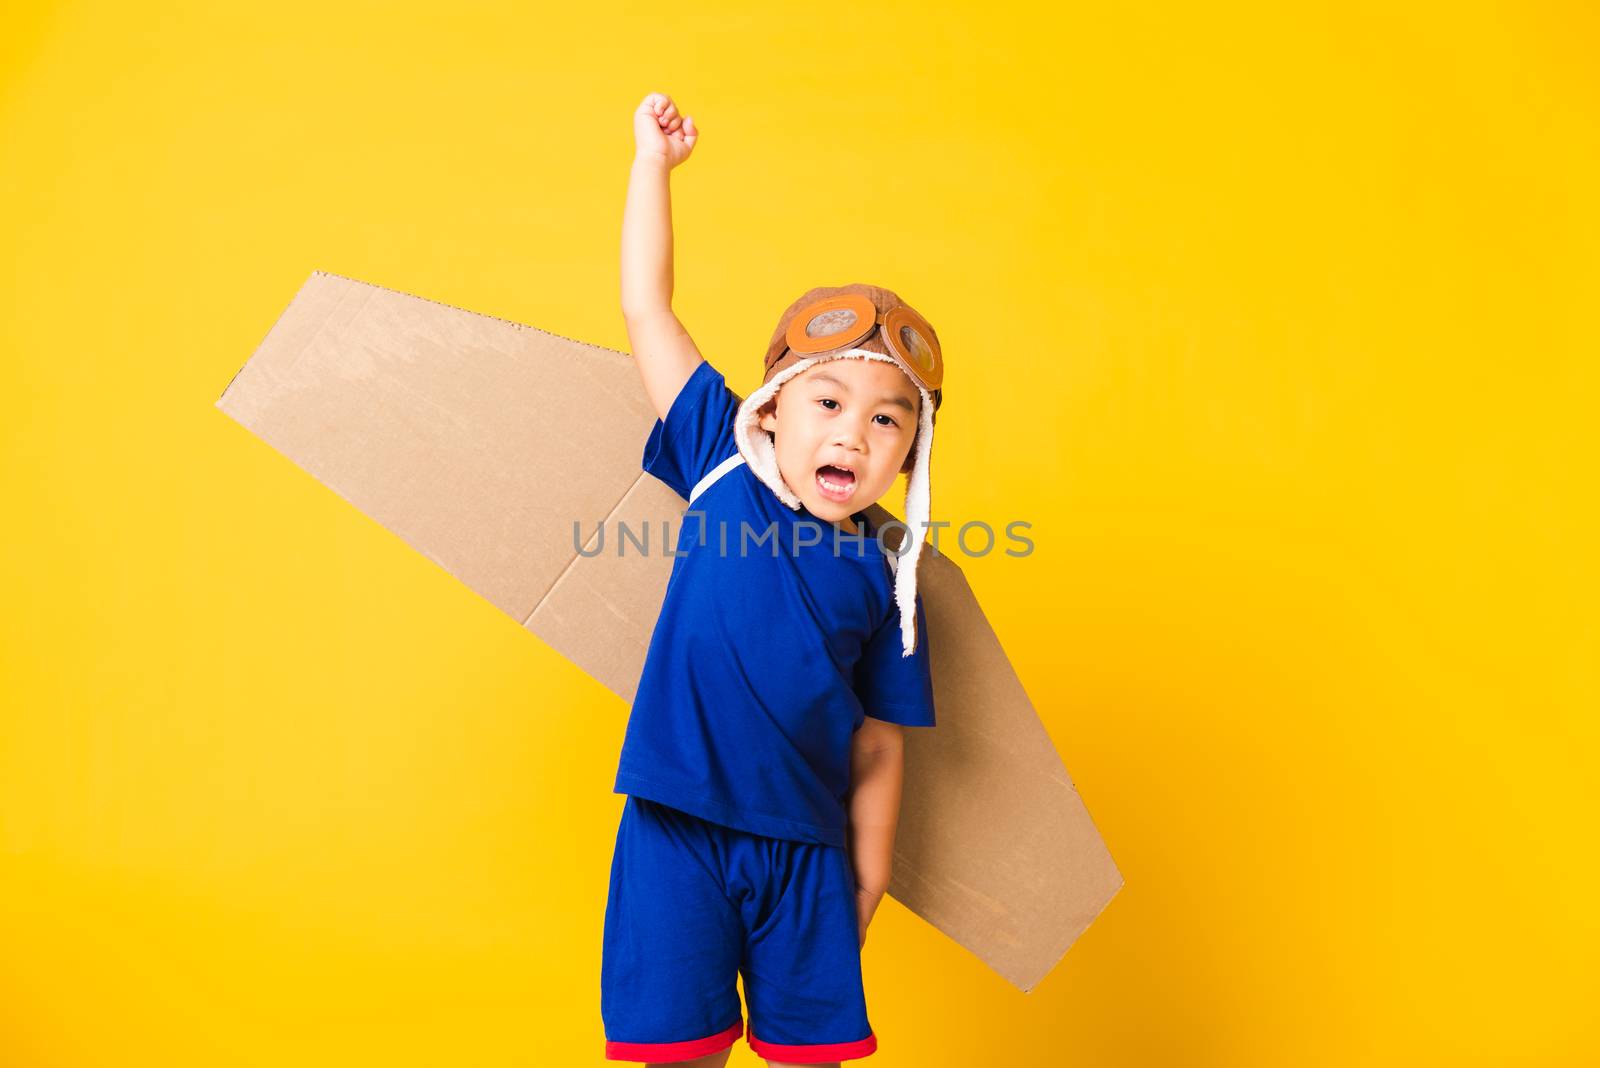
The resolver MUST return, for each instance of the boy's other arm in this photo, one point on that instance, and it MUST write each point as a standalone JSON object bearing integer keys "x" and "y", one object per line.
{"x": 662, "y": 349}
{"x": 877, "y": 773}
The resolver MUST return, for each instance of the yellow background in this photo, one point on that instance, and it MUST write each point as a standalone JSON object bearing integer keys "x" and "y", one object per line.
{"x": 1277, "y": 323}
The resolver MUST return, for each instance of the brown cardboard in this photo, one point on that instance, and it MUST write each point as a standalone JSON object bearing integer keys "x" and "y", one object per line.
{"x": 441, "y": 423}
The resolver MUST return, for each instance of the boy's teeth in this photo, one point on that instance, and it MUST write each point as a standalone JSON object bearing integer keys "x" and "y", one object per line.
{"x": 835, "y": 486}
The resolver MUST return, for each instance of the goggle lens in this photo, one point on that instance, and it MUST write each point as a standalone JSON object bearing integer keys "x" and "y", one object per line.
{"x": 917, "y": 349}
{"x": 833, "y": 321}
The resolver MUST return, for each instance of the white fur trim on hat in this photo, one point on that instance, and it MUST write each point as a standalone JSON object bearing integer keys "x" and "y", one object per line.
{"x": 758, "y": 452}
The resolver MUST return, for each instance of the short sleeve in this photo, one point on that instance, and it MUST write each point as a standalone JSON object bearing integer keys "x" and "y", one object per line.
{"x": 892, "y": 686}
{"x": 697, "y": 434}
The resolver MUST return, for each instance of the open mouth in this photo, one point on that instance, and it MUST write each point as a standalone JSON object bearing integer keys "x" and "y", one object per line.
{"x": 836, "y": 483}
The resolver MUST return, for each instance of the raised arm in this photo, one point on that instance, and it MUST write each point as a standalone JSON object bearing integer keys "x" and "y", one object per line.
{"x": 662, "y": 349}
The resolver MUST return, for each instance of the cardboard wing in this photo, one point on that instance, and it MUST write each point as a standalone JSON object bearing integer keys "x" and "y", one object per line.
{"x": 491, "y": 447}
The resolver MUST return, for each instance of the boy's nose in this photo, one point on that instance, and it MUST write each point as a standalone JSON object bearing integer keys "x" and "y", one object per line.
{"x": 849, "y": 435}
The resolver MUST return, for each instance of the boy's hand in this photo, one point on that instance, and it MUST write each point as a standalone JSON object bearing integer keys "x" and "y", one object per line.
{"x": 659, "y": 134}
{"x": 866, "y": 905}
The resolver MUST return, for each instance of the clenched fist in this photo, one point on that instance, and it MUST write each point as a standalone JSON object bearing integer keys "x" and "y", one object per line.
{"x": 659, "y": 134}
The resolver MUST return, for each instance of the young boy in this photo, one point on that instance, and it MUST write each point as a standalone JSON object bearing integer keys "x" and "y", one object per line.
{"x": 763, "y": 755}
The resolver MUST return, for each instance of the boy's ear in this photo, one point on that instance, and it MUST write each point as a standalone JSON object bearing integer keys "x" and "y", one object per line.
{"x": 769, "y": 415}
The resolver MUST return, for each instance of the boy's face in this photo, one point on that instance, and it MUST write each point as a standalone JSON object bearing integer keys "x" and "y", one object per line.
{"x": 856, "y": 414}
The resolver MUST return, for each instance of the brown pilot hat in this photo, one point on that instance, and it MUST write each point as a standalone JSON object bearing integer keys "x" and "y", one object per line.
{"x": 828, "y": 319}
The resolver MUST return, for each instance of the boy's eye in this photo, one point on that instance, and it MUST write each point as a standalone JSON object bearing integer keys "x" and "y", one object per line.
{"x": 888, "y": 420}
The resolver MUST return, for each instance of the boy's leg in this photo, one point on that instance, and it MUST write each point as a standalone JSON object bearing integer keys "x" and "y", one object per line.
{"x": 668, "y": 974}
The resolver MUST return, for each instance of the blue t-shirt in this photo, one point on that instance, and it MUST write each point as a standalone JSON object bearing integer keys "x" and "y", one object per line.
{"x": 763, "y": 662}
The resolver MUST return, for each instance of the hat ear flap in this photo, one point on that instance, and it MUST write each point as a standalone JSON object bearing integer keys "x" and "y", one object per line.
{"x": 910, "y": 461}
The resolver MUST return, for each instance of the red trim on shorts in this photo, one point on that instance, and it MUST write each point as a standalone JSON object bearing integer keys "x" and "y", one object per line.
{"x": 675, "y": 1051}
{"x": 817, "y": 1054}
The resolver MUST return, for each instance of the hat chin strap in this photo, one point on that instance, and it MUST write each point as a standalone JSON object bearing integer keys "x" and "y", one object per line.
{"x": 759, "y": 453}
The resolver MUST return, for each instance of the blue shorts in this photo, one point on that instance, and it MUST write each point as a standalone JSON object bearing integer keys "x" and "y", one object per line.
{"x": 693, "y": 906}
